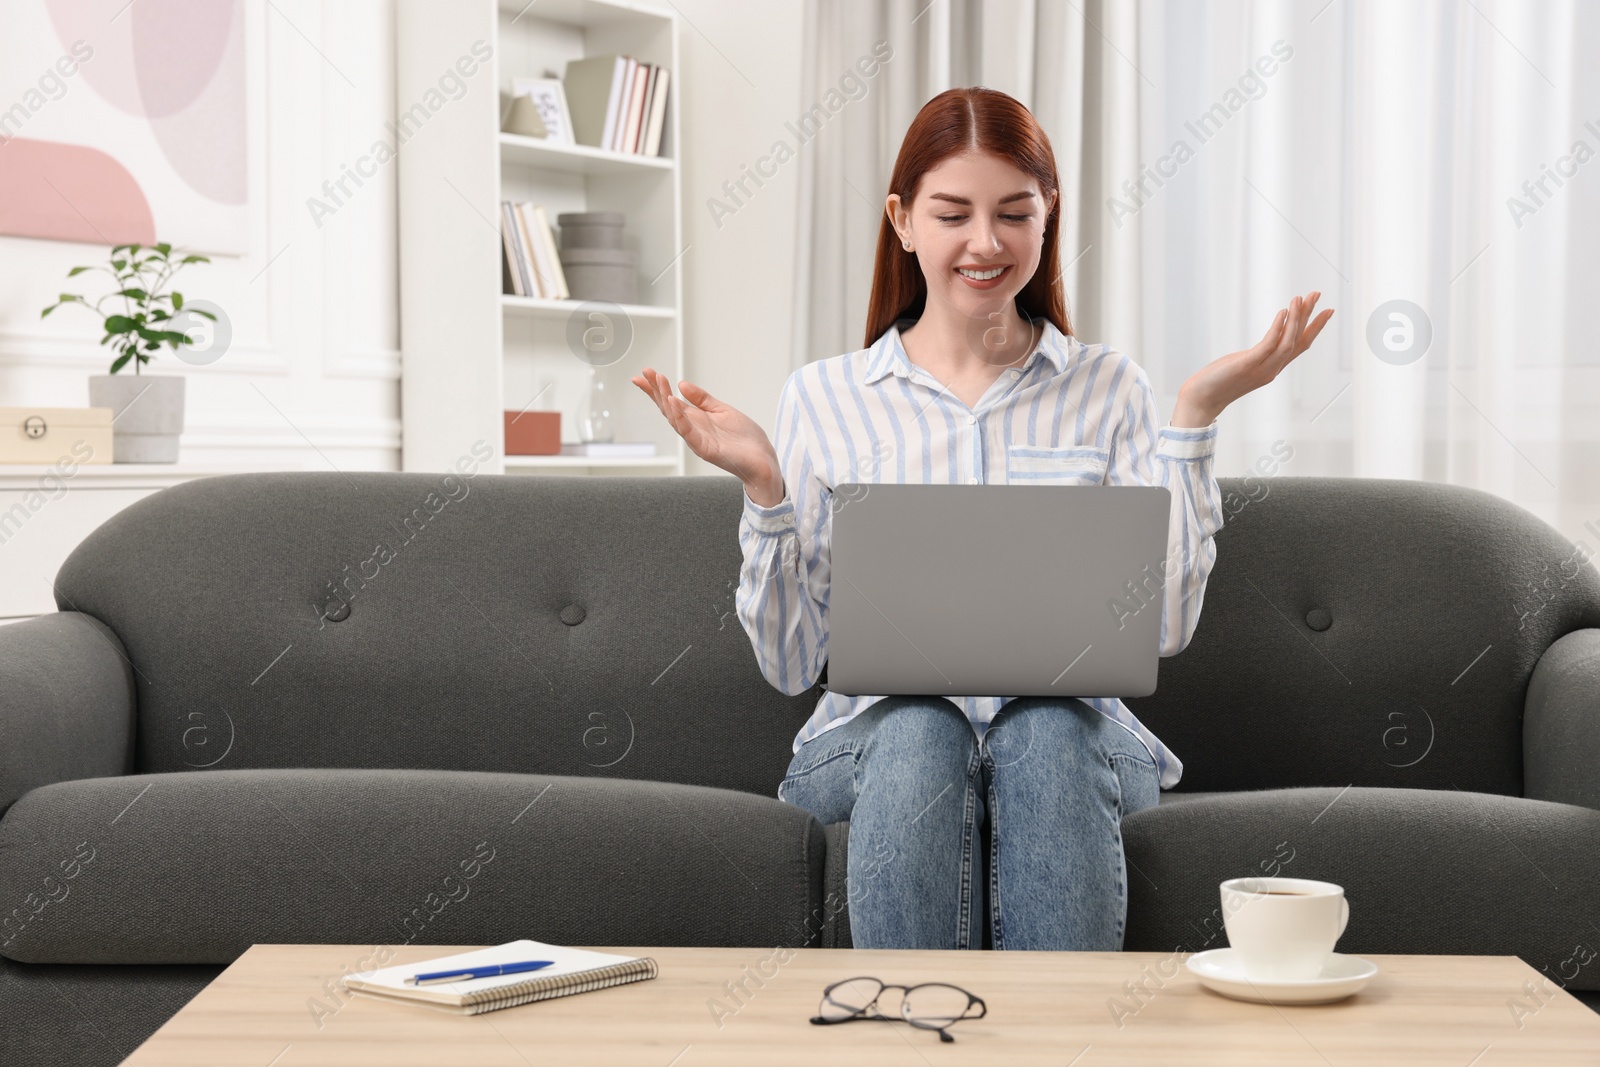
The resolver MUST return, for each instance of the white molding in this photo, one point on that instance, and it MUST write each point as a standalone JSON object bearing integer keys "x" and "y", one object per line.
{"x": 22, "y": 349}
{"x": 381, "y": 363}
{"x": 273, "y": 432}
{"x": 23, "y": 478}
{"x": 288, "y": 440}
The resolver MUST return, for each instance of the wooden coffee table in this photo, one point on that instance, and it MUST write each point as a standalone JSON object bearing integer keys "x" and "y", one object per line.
{"x": 273, "y": 1008}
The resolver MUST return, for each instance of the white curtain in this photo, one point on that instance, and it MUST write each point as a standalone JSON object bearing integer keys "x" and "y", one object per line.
{"x": 1220, "y": 156}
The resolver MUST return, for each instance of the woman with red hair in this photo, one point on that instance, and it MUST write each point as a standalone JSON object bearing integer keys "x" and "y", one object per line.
{"x": 971, "y": 374}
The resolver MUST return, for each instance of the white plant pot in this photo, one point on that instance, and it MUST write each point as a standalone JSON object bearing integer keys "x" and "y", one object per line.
{"x": 146, "y": 415}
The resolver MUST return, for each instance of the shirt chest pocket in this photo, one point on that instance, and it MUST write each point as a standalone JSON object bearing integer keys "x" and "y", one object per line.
{"x": 1072, "y": 465}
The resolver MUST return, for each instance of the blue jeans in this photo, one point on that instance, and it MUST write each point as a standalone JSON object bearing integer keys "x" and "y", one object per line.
{"x": 1055, "y": 777}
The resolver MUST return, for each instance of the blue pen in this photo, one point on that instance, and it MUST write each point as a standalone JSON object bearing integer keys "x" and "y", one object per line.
{"x": 487, "y": 971}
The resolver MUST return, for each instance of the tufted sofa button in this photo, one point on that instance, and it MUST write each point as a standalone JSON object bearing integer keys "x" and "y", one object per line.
{"x": 338, "y": 611}
{"x": 1319, "y": 619}
{"x": 572, "y": 614}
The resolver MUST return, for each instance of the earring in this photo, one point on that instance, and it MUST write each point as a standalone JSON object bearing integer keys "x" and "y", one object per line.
{"x": 908, "y": 245}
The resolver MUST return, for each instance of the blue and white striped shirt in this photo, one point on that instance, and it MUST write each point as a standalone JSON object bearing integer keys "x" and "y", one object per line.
{"x": 1072, "y": 414}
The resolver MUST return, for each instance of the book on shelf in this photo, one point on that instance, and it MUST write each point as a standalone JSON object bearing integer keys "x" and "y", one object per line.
{"x": 608, "y": 448}
{"x": 513, "y": 260}
{"x": 571, "y": 970}
{"x": 544, "y": 272}
{"x": 644, "y": 111}
{"x": 552, "y": 258}
{"x": 630, "y": 132}
{"x": 525, "y": 260}
{"x": 617, "y": 103}
{"x": 658, "y": 111}
{"x": 533, "y": 265}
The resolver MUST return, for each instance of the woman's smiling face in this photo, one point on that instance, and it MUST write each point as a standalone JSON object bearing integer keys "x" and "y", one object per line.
{"x": 973, "y": 214}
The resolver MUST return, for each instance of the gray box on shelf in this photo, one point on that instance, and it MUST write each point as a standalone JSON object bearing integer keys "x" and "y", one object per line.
{"x": 596, "y": 264}
{"x": 591, "y": 229}
{"x": 602, "y": 274}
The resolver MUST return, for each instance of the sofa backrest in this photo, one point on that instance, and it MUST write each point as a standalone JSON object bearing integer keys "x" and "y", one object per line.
{"x": 1362, "y": 631}
{"x": 1374, "y": 632}
{"x": 580, "y": 626}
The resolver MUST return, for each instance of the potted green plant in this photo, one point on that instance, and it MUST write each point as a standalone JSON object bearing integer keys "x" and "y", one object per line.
{"x": 146, "y": 410}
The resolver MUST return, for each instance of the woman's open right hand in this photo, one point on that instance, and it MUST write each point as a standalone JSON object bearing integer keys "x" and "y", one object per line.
{"x": 718, "y": 434}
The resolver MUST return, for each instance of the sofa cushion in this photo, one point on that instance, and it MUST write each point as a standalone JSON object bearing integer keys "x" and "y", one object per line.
{"x": 194, "y": 868}
{"x": 1425, "y": 871}
{"x": 1173, "y": 796}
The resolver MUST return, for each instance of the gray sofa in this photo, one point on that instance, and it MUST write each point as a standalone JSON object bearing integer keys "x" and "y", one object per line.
{"x": 531, "y": 711}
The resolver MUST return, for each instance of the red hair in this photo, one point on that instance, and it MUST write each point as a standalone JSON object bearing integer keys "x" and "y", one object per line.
{"x": 957, "y": 121}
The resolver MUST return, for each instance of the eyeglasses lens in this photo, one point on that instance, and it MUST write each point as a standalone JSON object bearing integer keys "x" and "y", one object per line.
{"x": 850, "y": 997}
{"x": 935, "y": 1004}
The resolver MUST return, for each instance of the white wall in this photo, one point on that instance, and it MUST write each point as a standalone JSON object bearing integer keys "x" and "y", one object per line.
{"x": 312, "y": 376}
{"x": 741, "y": 83}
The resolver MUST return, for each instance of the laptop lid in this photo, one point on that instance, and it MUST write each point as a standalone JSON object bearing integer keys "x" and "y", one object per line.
{"x": 996, "y": 590}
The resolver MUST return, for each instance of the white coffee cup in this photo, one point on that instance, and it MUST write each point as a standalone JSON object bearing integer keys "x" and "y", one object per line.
{"x": 1283, "y": 929}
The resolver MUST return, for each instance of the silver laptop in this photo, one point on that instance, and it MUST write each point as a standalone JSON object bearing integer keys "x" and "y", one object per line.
{"x": 996, "y": 590}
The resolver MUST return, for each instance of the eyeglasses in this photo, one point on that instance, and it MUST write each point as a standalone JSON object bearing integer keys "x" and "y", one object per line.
{"x": 930, "y": 1005}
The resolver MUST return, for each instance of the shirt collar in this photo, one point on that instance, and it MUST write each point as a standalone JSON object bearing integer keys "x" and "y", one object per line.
{"x": 888, "y": 354}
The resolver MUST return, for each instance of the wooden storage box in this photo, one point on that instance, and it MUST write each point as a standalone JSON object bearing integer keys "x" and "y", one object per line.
{"x": 533, "y": 433}
{"x": 49, "y": 435}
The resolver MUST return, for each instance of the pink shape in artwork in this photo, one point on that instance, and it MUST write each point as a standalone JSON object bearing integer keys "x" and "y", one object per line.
{"x": 64, "y": 192}
{"x": 204, "y": 140}
{"x": 151, "y": 58}
{"x": 181, "y": 65}
{"x": 95, "y": 23}
{"x": 177, "y": 47}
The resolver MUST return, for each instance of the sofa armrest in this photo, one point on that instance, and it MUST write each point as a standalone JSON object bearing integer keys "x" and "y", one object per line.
{"x": 1561, "y": 723}
{"x": 66, "y": 703}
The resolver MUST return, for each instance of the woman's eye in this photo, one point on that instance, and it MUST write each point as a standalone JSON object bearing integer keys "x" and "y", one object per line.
{"x": 958, "y": 218}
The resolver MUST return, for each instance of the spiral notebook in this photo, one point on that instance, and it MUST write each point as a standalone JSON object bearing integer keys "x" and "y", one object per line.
{"x": 576, "y": 970}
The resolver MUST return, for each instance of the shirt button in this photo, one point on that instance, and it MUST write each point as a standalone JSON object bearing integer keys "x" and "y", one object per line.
{"x": 1015, "y": 375}
{"x": 788, "y": 520}
{"x": 971, "y": 419}
{"x": 972, "y": 481}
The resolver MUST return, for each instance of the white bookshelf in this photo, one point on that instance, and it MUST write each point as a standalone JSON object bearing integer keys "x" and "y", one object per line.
{"x": 471, "y": 351}
{"x": 517, "y": 150}
{"x": 521, "y": 464}
{"x": 559, "y": 309}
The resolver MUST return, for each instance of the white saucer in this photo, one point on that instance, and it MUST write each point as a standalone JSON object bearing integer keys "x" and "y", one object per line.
{"x": 1218, "y": 969}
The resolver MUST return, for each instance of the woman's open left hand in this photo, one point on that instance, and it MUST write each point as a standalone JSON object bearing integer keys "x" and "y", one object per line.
{"x": 719, "y": 434}
{"x": 1222, "y": 381}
